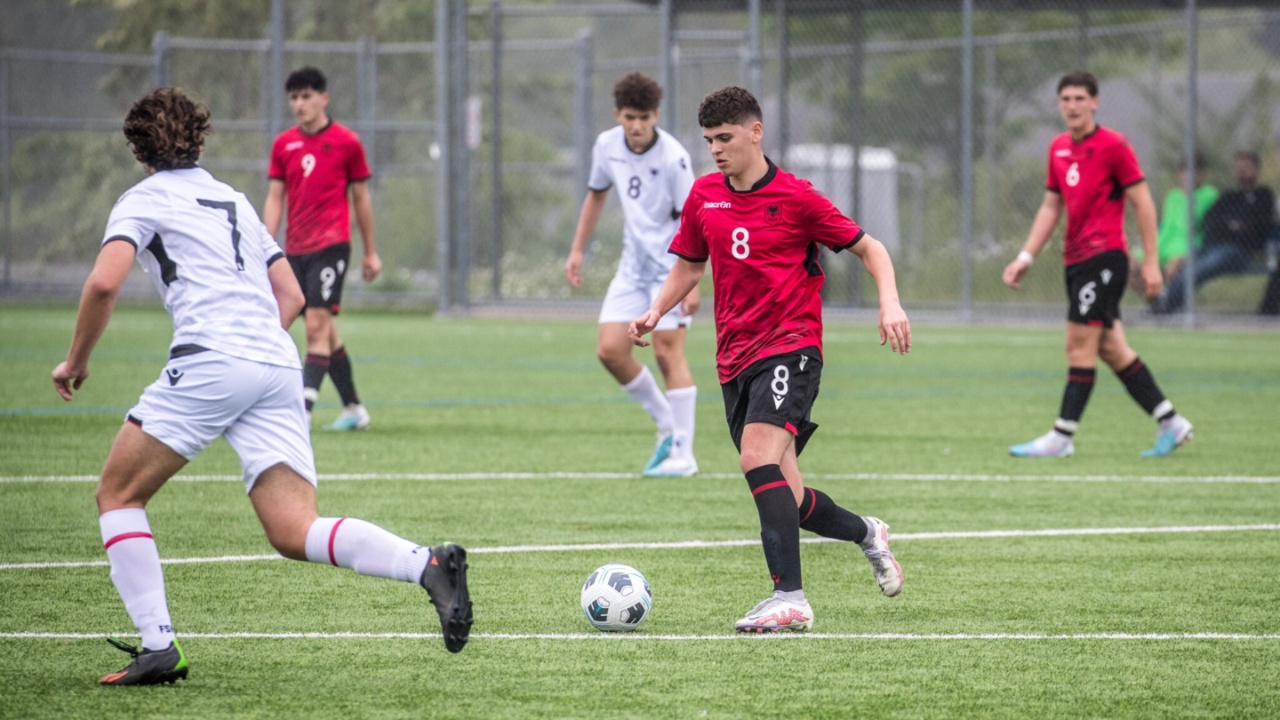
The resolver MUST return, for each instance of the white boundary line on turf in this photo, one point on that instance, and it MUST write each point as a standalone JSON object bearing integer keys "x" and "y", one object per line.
{"x": 917, "y": 477}
{"x": 641, "y": 636}
{"x": 703, "y": 544}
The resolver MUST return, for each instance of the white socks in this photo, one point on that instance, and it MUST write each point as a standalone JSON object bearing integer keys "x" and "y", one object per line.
{"x": 684, "y": 403}
{"x": 365, "y": 548}
{"x": 136, "y": 572}
{"x": 646, "y": 392}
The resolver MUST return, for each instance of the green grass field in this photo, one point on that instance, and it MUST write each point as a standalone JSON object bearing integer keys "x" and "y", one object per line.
{"x": 1156, "y": 592}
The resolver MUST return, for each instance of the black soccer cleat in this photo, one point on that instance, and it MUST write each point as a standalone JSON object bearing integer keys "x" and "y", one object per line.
{"x": 149, "y": 667}
{"x": 445, "y": 580}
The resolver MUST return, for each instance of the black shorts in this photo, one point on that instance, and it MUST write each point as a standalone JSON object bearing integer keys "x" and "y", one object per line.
{"x": 778, "y": 390}
{"x": 321, "y": 275}
{"x": 1094, "y": 288}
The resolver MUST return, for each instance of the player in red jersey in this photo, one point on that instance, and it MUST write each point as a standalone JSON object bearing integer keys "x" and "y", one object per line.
{"x": 1092, "y": 173}
{"x": 314, "y": 166}
{"x": 760, "y": 227}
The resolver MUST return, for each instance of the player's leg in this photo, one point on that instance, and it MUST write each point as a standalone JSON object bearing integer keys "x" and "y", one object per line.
{"x": 682, "y": 396}
{"x": 1174, "y": 429}
{"x": 308, "y": 269}
{"x": 354, "y": 415}
{"x": 613, "y": 349}
{"x": 137, "y": 466}
{"x": 276, "y": 458}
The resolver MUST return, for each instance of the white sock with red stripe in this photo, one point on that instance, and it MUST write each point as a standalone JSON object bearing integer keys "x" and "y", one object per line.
{"x": 365, "y": 548}
{"x": 136, "y": 572}
{"x": 645, "y": 390}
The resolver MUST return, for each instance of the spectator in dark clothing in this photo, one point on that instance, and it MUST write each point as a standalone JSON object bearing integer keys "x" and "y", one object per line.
{"x": 1235, "y": 228}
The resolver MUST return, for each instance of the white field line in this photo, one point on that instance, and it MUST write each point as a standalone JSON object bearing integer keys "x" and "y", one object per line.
{"x": 677, "y": 638}
{"x": 702, "y": 544}
{"x": 915, "y": 477}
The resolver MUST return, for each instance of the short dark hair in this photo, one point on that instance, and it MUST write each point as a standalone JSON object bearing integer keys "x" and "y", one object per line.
{"x": 306, "y": 78}
{"x": 637, "y": 91}
{"x": 1251, "y": 156}
{"x": 166, "y": 129}
{"x": 730, "y": 105}
{"x": 1079, "y": 78}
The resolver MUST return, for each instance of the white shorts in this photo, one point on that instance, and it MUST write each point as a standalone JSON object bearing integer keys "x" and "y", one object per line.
{"x": 627, "y": 300}
{"x": 257, "y": 407}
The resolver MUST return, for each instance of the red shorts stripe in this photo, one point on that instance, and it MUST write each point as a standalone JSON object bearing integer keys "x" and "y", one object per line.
{"x": 768, "y": 486}
{"x": 332, "y": 535}
{"x": 125, "y": 536}
{"x": 790, "y": 428}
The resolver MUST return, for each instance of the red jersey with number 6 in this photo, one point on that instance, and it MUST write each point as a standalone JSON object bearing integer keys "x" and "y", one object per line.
{"x": 316, "y": 170}
{"x": 1091, "y": 175}
{"x": 763, "y": 247}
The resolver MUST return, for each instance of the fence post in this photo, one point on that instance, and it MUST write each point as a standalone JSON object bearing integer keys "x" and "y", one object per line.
{"x": 582, "y": 134}
{"x": 5, "y": 180}
{"x": 966, "y": 165}
{"x": 495, "y": 143}
{"x": 462, "y": 160}
{"x": 755, "y": 55}
{"x": 1189, "y": 150}
{"x": 444, "y": 156}
{"x": 367, "y": 98}
{"x": 666, "y": 66}
{"x": 784, "y": 79}
{"x": 275, "y": 78}
{"x": 853, "y": 279}
{"x": 160, "y": 59}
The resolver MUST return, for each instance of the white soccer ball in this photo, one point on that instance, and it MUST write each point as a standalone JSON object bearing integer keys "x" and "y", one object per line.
{"x": 616, "y": 598}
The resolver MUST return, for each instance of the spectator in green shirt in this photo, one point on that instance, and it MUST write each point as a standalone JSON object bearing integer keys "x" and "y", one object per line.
{"x": 1171, "y": 240}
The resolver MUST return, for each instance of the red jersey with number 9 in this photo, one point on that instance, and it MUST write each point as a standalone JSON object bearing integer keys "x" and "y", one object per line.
{"x": 316, "y": 170}
{"x": 1091, "y": 175}
{"x": 763, "y": 247}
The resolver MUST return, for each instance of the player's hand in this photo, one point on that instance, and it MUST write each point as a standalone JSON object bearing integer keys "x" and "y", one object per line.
{"x": 1014, "y": 271}
{"x": 692, "y": 302}
{"x": 573, "y": 268}
{"x": 372, "y": 266}
{"x": 895, "y": 328}
{"x": 1152, "y": 279}
{"x": 642, "y": 326}
{"x": 67, "y": 379}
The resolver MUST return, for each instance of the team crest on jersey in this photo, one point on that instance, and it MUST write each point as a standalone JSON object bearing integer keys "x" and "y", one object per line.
{"x": 771, "y": 213}
{"x": 653, "y": 172}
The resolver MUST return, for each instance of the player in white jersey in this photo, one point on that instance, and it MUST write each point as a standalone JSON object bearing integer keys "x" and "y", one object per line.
{"x": 653, "y": 174}
{"x": 233, "y": 371}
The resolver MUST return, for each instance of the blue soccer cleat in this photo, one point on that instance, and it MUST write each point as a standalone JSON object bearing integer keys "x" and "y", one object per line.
{"x": 661, "y": 452}
{"x": 1051, "y": 444}
{"x": 352, "y": 417}
{"x": 1174, "y": 433}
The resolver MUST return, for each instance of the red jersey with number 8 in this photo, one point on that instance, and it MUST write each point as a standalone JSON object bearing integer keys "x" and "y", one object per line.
{"x": 1091, "y": 175}
{"x": 763, "y": 247}
{"x": 316, "y": 170}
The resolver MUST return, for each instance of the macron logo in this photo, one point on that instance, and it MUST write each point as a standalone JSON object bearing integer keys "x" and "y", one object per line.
{"x": 722, "y": 205}
{"x": 293, "y": 145}
{"x": 1064, "y": 152}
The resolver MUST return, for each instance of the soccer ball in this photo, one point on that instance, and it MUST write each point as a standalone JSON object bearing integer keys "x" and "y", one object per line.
{"x": 616, "y": 598}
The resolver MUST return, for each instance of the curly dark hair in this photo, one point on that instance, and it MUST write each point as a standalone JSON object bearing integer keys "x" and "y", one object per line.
{"x": 638, "y": 92}
{"x": 729, "y": 106}
{"x": 166, "y": 129}
{"x": 306, "y": 78}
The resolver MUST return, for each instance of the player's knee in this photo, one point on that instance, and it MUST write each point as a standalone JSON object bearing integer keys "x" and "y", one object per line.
{"x": 751, "y": 458}
{"x": 288, "y": 539}
{"x": 612, "y": 357}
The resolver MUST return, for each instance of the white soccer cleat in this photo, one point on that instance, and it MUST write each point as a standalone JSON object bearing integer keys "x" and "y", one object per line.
{"x": 1051, "y": 444}
{"x": 1173, "y": 434}
{"x": 673, "y": 467}
{"x": 885, "y": 566}
{"x": 352, "y": 417}
{"x": 777, "y": 615}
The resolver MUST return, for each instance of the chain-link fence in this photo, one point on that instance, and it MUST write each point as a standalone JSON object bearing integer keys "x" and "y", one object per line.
{"x": 479, "y": 129}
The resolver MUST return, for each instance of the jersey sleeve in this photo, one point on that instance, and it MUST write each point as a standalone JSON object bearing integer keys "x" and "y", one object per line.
{"x": 1051, "y": 180}
{"x": 357, "y": 163}
{"x": 826, "y": 224}
{"x": 255, "y": 232}
{"x": 275, "y": 170}
{"x": 690, "y": 243}
{"x": 599, "y": 179}
{"x": 133, "y": 219}
{"x": 681, "y": 178}
{"x": 1125, "y": 164}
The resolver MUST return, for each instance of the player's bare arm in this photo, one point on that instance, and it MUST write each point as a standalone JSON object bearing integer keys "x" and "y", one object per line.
{"x": 1041, "y": 228}
{"x": 97, "y": 301}
{"x": 683, "y": 279}
{"x": 362, "y": 201}
{"x": 273, "y": 208}
{"x": 1144, "y": 207}
{"x": 284, "y": 285}
{"x": 894, "y": 326}
{"x": 592, "y": 207}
